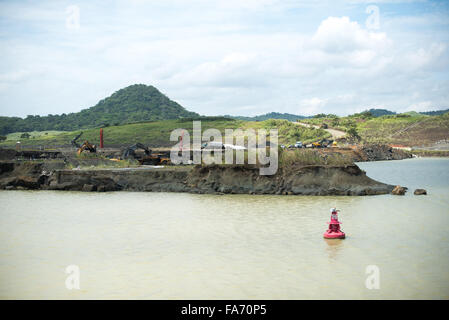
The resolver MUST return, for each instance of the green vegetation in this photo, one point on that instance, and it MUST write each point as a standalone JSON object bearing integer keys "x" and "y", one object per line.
{"x": 353, "y": 133}
{"x": 16, "y": 136}
{"x": 323, "y": 115}
{"x": 380, "y": 112}
{"x": 435, "y": 113}
{"x": 135, "y": 103}
{"x": 271, "y": 115}
{"x": 409, "y": 128}
{"x": 290, "y": 132}
{"x": 290, "y": 158}
{"x": 25, "y": 135}
{"x": 157, "y": 133}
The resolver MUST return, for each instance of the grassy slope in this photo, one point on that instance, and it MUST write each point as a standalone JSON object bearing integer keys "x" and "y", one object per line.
{"x": 413, "y": 130}
{"x": 34, "y": 134}
{"x": 157, "y": 134}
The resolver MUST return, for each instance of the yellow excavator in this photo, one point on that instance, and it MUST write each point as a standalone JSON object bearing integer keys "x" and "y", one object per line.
{"x": 316, "y": 144}
{"x": 85, "y": 146}
{"x": 322, "y": 143}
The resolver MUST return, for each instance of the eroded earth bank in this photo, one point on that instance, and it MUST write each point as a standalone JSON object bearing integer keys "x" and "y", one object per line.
{"x": 215, "y": 179}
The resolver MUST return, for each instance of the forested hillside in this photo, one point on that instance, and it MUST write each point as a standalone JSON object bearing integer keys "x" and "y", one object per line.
{"x": 271, "y": 115}
{"x": 135, "y": 103}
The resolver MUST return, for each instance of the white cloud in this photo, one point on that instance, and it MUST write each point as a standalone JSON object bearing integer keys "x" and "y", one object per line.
{"x": 425, "y": 57}
{"x": 311, "y": 106}
{"x": 339, "y": 35}
{"x": 226, "y": 57}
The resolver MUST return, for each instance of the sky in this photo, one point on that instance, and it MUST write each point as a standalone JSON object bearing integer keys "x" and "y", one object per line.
{"x": 234, "y": 57}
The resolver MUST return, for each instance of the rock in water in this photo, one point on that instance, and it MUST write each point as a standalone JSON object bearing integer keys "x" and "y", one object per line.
{"x": 420, "y": 192}
{"x": 399, "y": 191}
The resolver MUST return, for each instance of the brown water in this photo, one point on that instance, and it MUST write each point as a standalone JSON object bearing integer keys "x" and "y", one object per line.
{"x": 185, "y": 246}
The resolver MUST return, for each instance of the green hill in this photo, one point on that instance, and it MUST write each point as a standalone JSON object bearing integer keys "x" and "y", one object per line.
{"x": 435, "y": 113}
{"x": 380, "y": 112}
{"x": 132, "y": 104}
{"x": 410, "y": 129}
{"x": 271, "y": 115}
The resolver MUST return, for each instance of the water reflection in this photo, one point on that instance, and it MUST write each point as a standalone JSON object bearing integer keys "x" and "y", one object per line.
{"x": 333, "y": 247}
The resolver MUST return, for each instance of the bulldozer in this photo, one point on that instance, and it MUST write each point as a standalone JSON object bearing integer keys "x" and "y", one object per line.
{"x": 85, "y": 146}
{"x": 149, "y": 158}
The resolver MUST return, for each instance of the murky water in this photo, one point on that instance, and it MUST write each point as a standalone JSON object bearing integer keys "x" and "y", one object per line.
{"x": 184, "y": 246}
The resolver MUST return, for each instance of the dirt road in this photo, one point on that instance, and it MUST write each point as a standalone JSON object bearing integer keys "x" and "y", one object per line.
{"x": 336, "y": 134}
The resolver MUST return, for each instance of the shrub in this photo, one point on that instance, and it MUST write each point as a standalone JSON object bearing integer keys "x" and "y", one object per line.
{"x": 25, "y": 135}
{"x": 305, "y": 157}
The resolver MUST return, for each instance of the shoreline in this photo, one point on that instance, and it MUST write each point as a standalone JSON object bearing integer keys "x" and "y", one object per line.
{"x": 318, "y": 180}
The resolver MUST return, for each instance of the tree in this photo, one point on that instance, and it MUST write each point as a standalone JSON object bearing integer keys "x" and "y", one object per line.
{"x": 2, "y": 138}
{"x": 335, "y": 122}
{"x": 353, "y": 133}
{"x": 25, "y": 135}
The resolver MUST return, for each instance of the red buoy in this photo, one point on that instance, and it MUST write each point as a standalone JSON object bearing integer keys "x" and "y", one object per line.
{"x": 334, "y": 231}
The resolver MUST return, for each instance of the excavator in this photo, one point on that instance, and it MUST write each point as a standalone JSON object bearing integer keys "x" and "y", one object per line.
{"x": 85, "y": 146}
{"x": 149, "y": 158}
{"x": 322, "y": 143}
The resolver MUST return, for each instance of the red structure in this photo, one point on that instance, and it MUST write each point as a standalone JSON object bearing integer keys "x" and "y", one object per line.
{"x": 182, "y": 141}
{"x": 334, "y": 231}
{"x": 101, "y": 138}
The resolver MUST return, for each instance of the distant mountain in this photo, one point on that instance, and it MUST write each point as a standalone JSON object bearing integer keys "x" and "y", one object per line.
{"x": 435, "y": 113}
{"x": 135, "y": 103}
{"x": 380, "y": 112}
{"x": 384, "y": 112}
{"x": 271, "y": 115}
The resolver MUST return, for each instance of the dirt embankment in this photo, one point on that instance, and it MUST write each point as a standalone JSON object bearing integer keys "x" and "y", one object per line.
{"x": 300, "y": 180}
{"x": 379, "y": 152}
{"x": 236, "y": 179}
{"x": 10, "y": 154}
{"x": 27, "y": 175}
{"x": 374, "y": 152}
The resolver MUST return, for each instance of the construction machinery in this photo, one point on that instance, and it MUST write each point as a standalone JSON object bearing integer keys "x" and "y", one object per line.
{"x": 148, "y": 158}
{"x": 85, "y": 146}
{"x": 316, "y": 144}
{"x": 324, "y": 143}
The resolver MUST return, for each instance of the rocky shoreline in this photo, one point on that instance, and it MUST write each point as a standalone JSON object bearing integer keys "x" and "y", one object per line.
{"x": 213, "y": 179}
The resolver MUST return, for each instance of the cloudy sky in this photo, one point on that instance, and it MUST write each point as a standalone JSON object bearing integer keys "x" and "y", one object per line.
{"x": 238, "y": 57}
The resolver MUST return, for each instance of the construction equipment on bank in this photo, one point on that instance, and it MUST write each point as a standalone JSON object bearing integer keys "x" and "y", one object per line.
{"x": 148, "y": 158}
{"x": 85, "y": 146}
{"x": 324, "y": 143}
{"x": 316, "y": 144}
